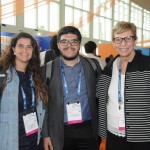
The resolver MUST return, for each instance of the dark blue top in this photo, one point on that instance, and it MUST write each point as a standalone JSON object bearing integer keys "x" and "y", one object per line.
{"x": 25, "y": 142}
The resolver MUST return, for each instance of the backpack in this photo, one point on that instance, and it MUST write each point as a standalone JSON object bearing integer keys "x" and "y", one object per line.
{"x": 93, "y": 62}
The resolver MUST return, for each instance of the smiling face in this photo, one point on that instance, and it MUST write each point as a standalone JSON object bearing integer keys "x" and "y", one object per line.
{"x": 70, "y": 51}
{"x": 23, "y": 51}
{"x": 126, "y": 48}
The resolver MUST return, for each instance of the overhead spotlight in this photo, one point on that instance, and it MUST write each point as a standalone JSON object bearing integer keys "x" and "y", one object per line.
{"x": 38, "y": 33}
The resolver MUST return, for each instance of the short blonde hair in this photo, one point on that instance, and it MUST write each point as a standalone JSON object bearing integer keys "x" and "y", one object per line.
{"x": 123, "y": 26}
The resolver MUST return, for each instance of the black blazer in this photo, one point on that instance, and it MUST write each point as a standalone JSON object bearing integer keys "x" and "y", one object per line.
{"x": 136, "y": 99}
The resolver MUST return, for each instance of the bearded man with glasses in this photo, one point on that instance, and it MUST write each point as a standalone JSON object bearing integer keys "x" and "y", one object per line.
{"x": 71, "y": 122}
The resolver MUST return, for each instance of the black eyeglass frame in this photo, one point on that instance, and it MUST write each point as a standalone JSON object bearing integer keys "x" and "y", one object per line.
{"x": 69, "y": 41}
{"x": 125, "y": 39}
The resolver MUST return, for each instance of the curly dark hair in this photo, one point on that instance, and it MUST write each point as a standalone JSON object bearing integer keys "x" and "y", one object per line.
{"x": 8, "y": 61}
{"x": 69, "y": 29}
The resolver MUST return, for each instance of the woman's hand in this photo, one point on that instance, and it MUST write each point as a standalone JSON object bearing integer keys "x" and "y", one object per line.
{"x": 102, "y": 145}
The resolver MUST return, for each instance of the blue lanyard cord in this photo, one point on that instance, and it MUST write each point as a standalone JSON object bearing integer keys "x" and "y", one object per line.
{"x": 79, "y": 84}
{"x": 119, "y": 83}
{"x": 65, "y": 82}
{"x": 33, "y": 94}
{"x": 66, "y": 86}
{"x": 24, "y": 96}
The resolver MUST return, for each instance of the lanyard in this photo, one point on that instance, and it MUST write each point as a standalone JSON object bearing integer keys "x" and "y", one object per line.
{"x": 24, "y": 96}
{"x": 65, "y": 83}
{"x": 119, "y": 84}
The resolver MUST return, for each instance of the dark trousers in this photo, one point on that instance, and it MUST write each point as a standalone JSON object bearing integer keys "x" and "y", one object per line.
{"x": 80, "y": 137}
{"x": 119, "y": 143}
{"x": 41, "y": 145}
{"x": 28, "y": 142}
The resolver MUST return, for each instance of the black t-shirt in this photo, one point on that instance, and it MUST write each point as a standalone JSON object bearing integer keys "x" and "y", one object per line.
{"x": 25, "y": 142}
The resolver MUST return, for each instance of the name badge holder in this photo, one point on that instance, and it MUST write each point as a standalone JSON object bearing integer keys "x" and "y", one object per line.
{"x": 74, "y": 113}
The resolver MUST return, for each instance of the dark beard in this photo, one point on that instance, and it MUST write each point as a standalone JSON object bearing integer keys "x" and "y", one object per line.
{"x": 70, "y": 58}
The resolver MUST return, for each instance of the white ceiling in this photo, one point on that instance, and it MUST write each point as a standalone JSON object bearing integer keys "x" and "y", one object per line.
{"x": 143, "y": 3}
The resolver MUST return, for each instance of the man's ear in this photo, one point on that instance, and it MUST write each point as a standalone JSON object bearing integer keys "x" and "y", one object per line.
{"x": 58, "y": 45}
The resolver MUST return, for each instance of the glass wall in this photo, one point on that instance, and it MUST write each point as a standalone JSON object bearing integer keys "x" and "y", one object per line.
{"x": 146, "y": 29}
{"x": 102, "y": 20}
{"x": 136, "y": 17}
{"x": 77, "y": 14}
{"x": 8, "y": 12}
{"x": 41, "y": 15}
{"x": 30, "y": 14}
{"x": 94, "y": 18}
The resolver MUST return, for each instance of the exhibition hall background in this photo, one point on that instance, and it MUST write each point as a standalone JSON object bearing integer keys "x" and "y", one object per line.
{"x": 94, "y": 18}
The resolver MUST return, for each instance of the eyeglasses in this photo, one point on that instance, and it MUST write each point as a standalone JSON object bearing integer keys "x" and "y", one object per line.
{"x": 127, "y": 39}
{"x": 73, "y": 42}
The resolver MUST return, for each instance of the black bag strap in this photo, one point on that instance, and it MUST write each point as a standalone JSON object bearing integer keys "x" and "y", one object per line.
{"x": 48, "y": 71}
{"x": 2, "y": 77}
{"x": 92, "y": 63}
{"x": 95, "y": 65}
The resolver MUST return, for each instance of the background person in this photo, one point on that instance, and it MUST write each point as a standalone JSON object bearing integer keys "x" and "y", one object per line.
{"x": 71, "y": 122}
{"x": 124, "y": 103}
{"x": 21, "y": 110}
{"x": 50, "y": 54}
{"x": 90, "y": 49}
{"x": 54, "y": 46}
{"x": 109, "y": 58}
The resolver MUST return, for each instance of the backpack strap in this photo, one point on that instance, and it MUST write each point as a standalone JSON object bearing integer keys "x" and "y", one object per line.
{"x": 2, "y": 77}
{"x": 95, "y": 65}
{"x": 92, "y": 63}
{"x": 48, "y": 71}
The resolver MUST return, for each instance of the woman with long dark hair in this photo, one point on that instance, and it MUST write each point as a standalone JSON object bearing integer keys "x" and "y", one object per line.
{"x": 23, "y": 93}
